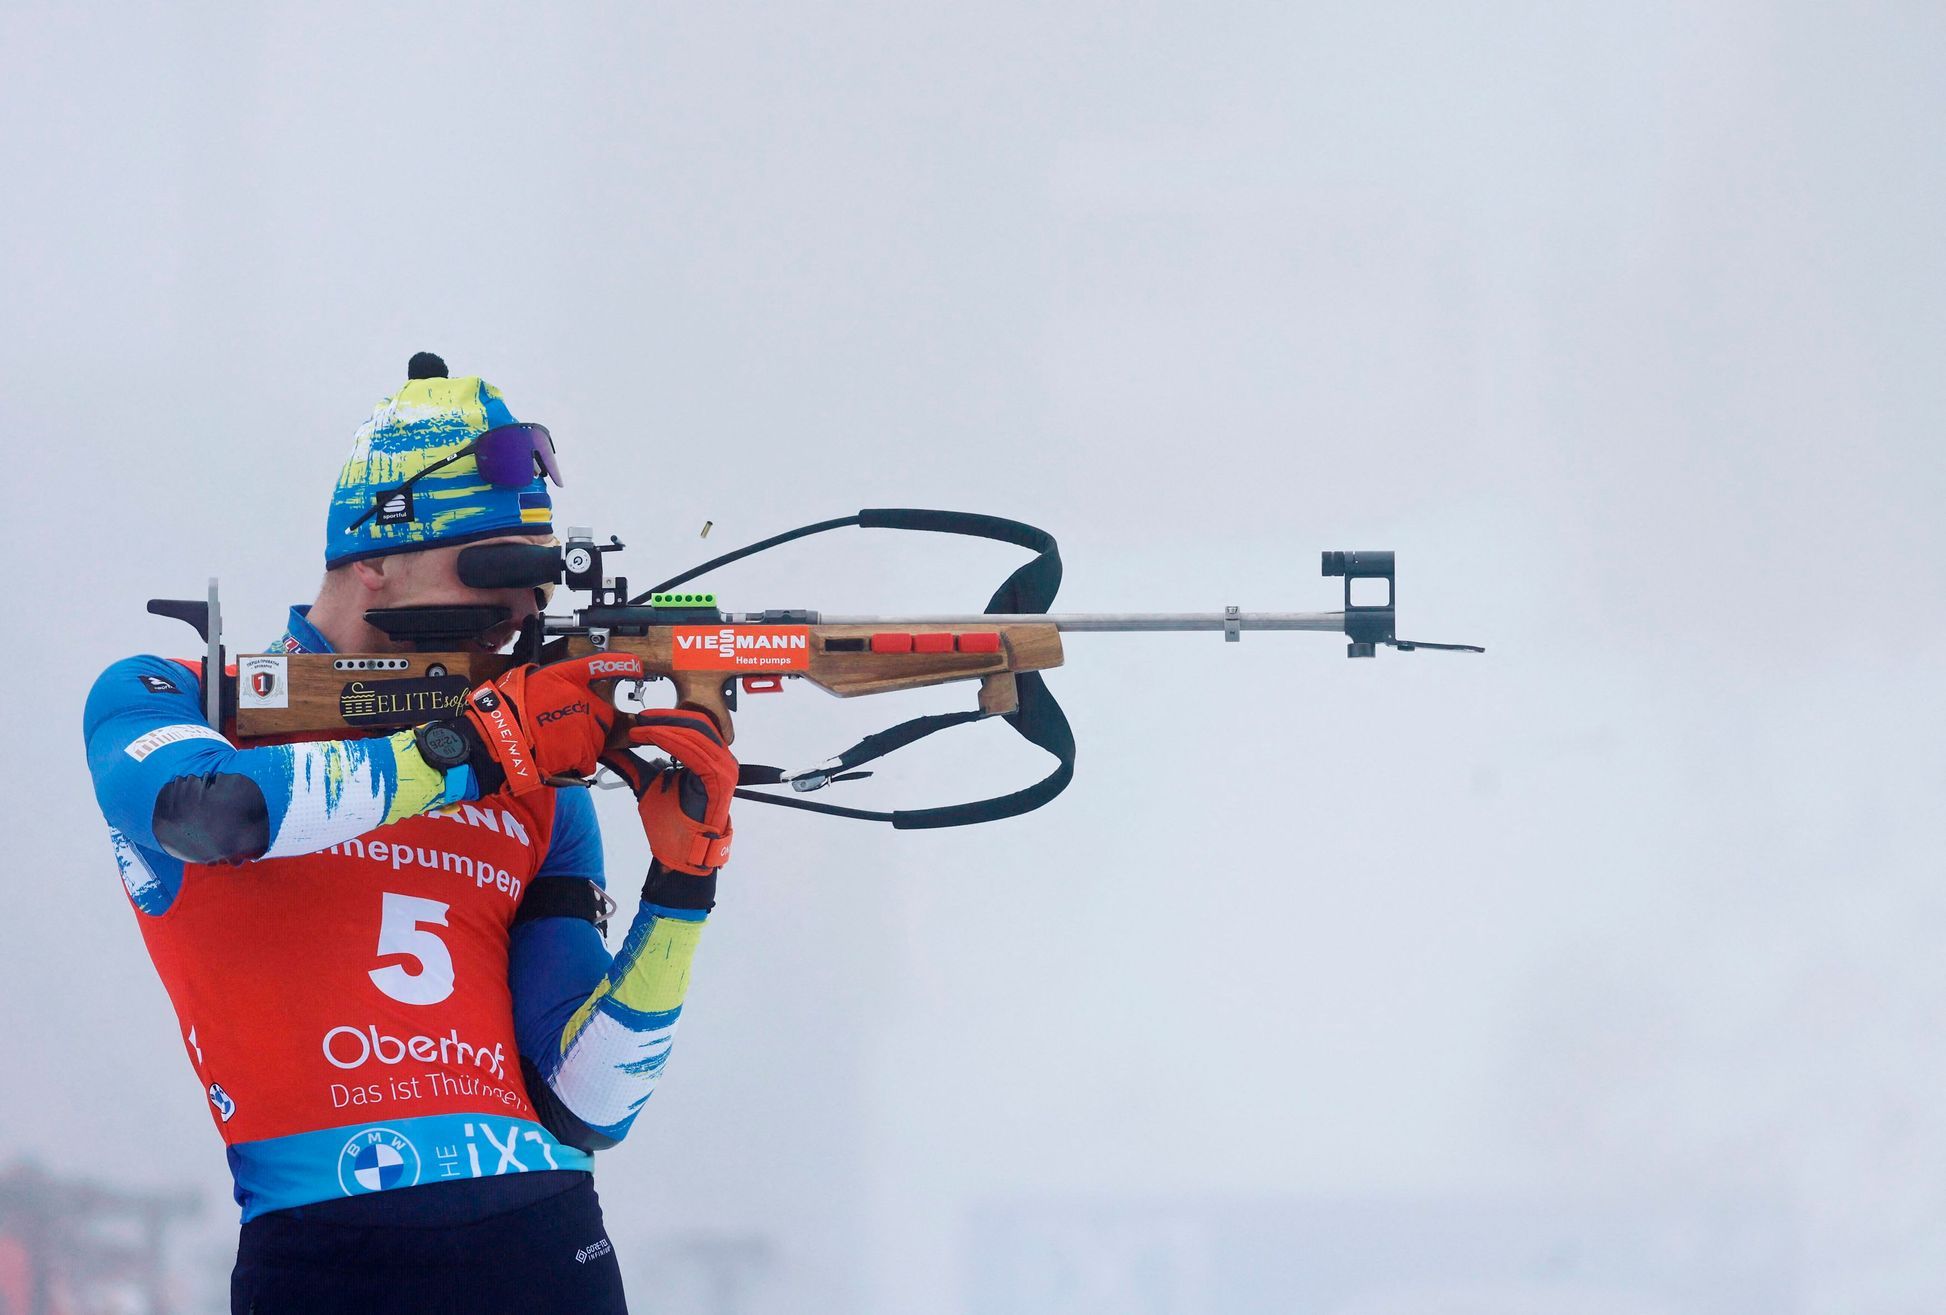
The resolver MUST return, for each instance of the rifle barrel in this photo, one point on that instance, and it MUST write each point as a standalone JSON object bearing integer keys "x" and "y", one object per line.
{"x": 1111, "y": 621}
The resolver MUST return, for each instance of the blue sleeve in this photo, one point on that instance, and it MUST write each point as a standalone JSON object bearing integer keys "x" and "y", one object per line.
{"x": 594, "y": 1030}
{"x": 144, "y": 728}
{"x": 553, "y": 963}
{"x": 574, "y": 845}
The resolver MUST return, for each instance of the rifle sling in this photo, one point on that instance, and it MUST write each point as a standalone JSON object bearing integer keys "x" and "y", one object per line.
{"x": 1038, "y": 717}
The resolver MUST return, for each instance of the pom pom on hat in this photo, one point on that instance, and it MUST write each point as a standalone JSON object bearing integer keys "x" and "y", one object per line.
{"x": 424, "y": 365}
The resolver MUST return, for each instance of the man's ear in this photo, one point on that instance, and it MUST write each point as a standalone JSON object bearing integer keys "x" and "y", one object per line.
{"x": 374, "y": 573}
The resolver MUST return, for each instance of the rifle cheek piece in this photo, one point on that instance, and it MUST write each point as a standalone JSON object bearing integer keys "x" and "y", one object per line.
{"x": 436, "y": 629}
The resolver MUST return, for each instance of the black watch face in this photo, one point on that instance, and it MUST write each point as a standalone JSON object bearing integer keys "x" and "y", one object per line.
{"x": 444, "y": 746}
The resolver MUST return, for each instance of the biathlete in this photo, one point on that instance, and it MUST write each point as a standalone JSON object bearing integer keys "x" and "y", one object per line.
{"x": 386, "y": 953}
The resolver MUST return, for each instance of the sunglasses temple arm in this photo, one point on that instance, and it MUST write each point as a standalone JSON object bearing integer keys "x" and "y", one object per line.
{"x": 417, "y": 475}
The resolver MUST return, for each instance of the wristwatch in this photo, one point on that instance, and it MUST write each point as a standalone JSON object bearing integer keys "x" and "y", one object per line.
{"x": 443, "y": 744}
{"x": 448, "y": 745}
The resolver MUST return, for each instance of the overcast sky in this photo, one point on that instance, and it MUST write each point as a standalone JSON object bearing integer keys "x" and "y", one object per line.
{"x": 1621, "y": 325}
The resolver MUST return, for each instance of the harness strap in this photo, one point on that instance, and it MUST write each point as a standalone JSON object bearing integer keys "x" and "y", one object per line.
{"x": 565, "y": 897}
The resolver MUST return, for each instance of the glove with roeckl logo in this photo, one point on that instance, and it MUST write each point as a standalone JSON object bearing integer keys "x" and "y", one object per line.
{"x": 538, "y": 723}
{"x": 685, "y": 809}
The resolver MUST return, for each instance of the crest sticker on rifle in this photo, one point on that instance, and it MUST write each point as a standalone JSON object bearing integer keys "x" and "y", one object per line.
{"x": 263, "y": 681}
{"x": 740, "y": 648}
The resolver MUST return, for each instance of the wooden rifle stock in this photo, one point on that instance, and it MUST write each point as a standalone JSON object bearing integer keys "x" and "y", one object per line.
{"x": 324, "y": 695}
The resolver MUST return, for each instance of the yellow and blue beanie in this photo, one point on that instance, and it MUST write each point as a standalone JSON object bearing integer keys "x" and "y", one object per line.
{"x": 424, "y": 422}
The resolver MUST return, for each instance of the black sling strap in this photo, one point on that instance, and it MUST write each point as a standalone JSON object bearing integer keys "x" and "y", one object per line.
{"x": 1038, "y": 718}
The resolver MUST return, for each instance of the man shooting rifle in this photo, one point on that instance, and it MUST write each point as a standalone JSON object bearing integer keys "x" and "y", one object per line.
{"x": 385, "y": 951}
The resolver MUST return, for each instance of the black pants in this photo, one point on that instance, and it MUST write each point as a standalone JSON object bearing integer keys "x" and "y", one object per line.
{"x": 546, "y": 1256}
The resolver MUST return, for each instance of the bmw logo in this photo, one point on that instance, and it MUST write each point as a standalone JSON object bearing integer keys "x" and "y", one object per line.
{"x": 377, "y": 1160}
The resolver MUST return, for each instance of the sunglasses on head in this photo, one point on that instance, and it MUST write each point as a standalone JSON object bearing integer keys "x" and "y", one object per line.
{"x": 508, "y": 457}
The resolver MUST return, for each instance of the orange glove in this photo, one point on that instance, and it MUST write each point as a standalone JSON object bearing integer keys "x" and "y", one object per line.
{"x": 537, "y": 723}
{"x": 685, "y": 809}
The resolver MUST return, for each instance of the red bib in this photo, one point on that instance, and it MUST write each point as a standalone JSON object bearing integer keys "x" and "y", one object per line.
{"x": 364, "y": 982}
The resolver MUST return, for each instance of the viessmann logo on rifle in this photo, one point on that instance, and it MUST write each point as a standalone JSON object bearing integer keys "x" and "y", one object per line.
{"x": 741, "y": 648}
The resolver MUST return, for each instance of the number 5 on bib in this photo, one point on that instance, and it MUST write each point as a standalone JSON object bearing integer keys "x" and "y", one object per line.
{"x": 400, "y": 932}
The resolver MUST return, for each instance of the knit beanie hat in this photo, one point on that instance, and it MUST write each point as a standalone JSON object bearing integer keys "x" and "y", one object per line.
{"x": 425, "y": 422}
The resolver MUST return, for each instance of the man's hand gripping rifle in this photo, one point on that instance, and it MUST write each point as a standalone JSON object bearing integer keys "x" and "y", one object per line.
{"x": 709, "y": 655}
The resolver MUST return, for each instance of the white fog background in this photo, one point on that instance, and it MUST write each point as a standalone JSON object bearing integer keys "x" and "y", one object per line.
{"x": 1600, "y": 975}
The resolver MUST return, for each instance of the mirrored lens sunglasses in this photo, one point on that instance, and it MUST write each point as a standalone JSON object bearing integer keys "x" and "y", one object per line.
{"x": 508, "y": 457}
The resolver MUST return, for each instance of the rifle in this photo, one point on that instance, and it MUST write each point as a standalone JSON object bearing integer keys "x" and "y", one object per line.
{"x": 708, "y": 654}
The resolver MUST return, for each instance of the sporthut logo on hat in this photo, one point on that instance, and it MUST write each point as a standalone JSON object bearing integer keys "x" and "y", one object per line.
{"x": 441, "y": 461}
